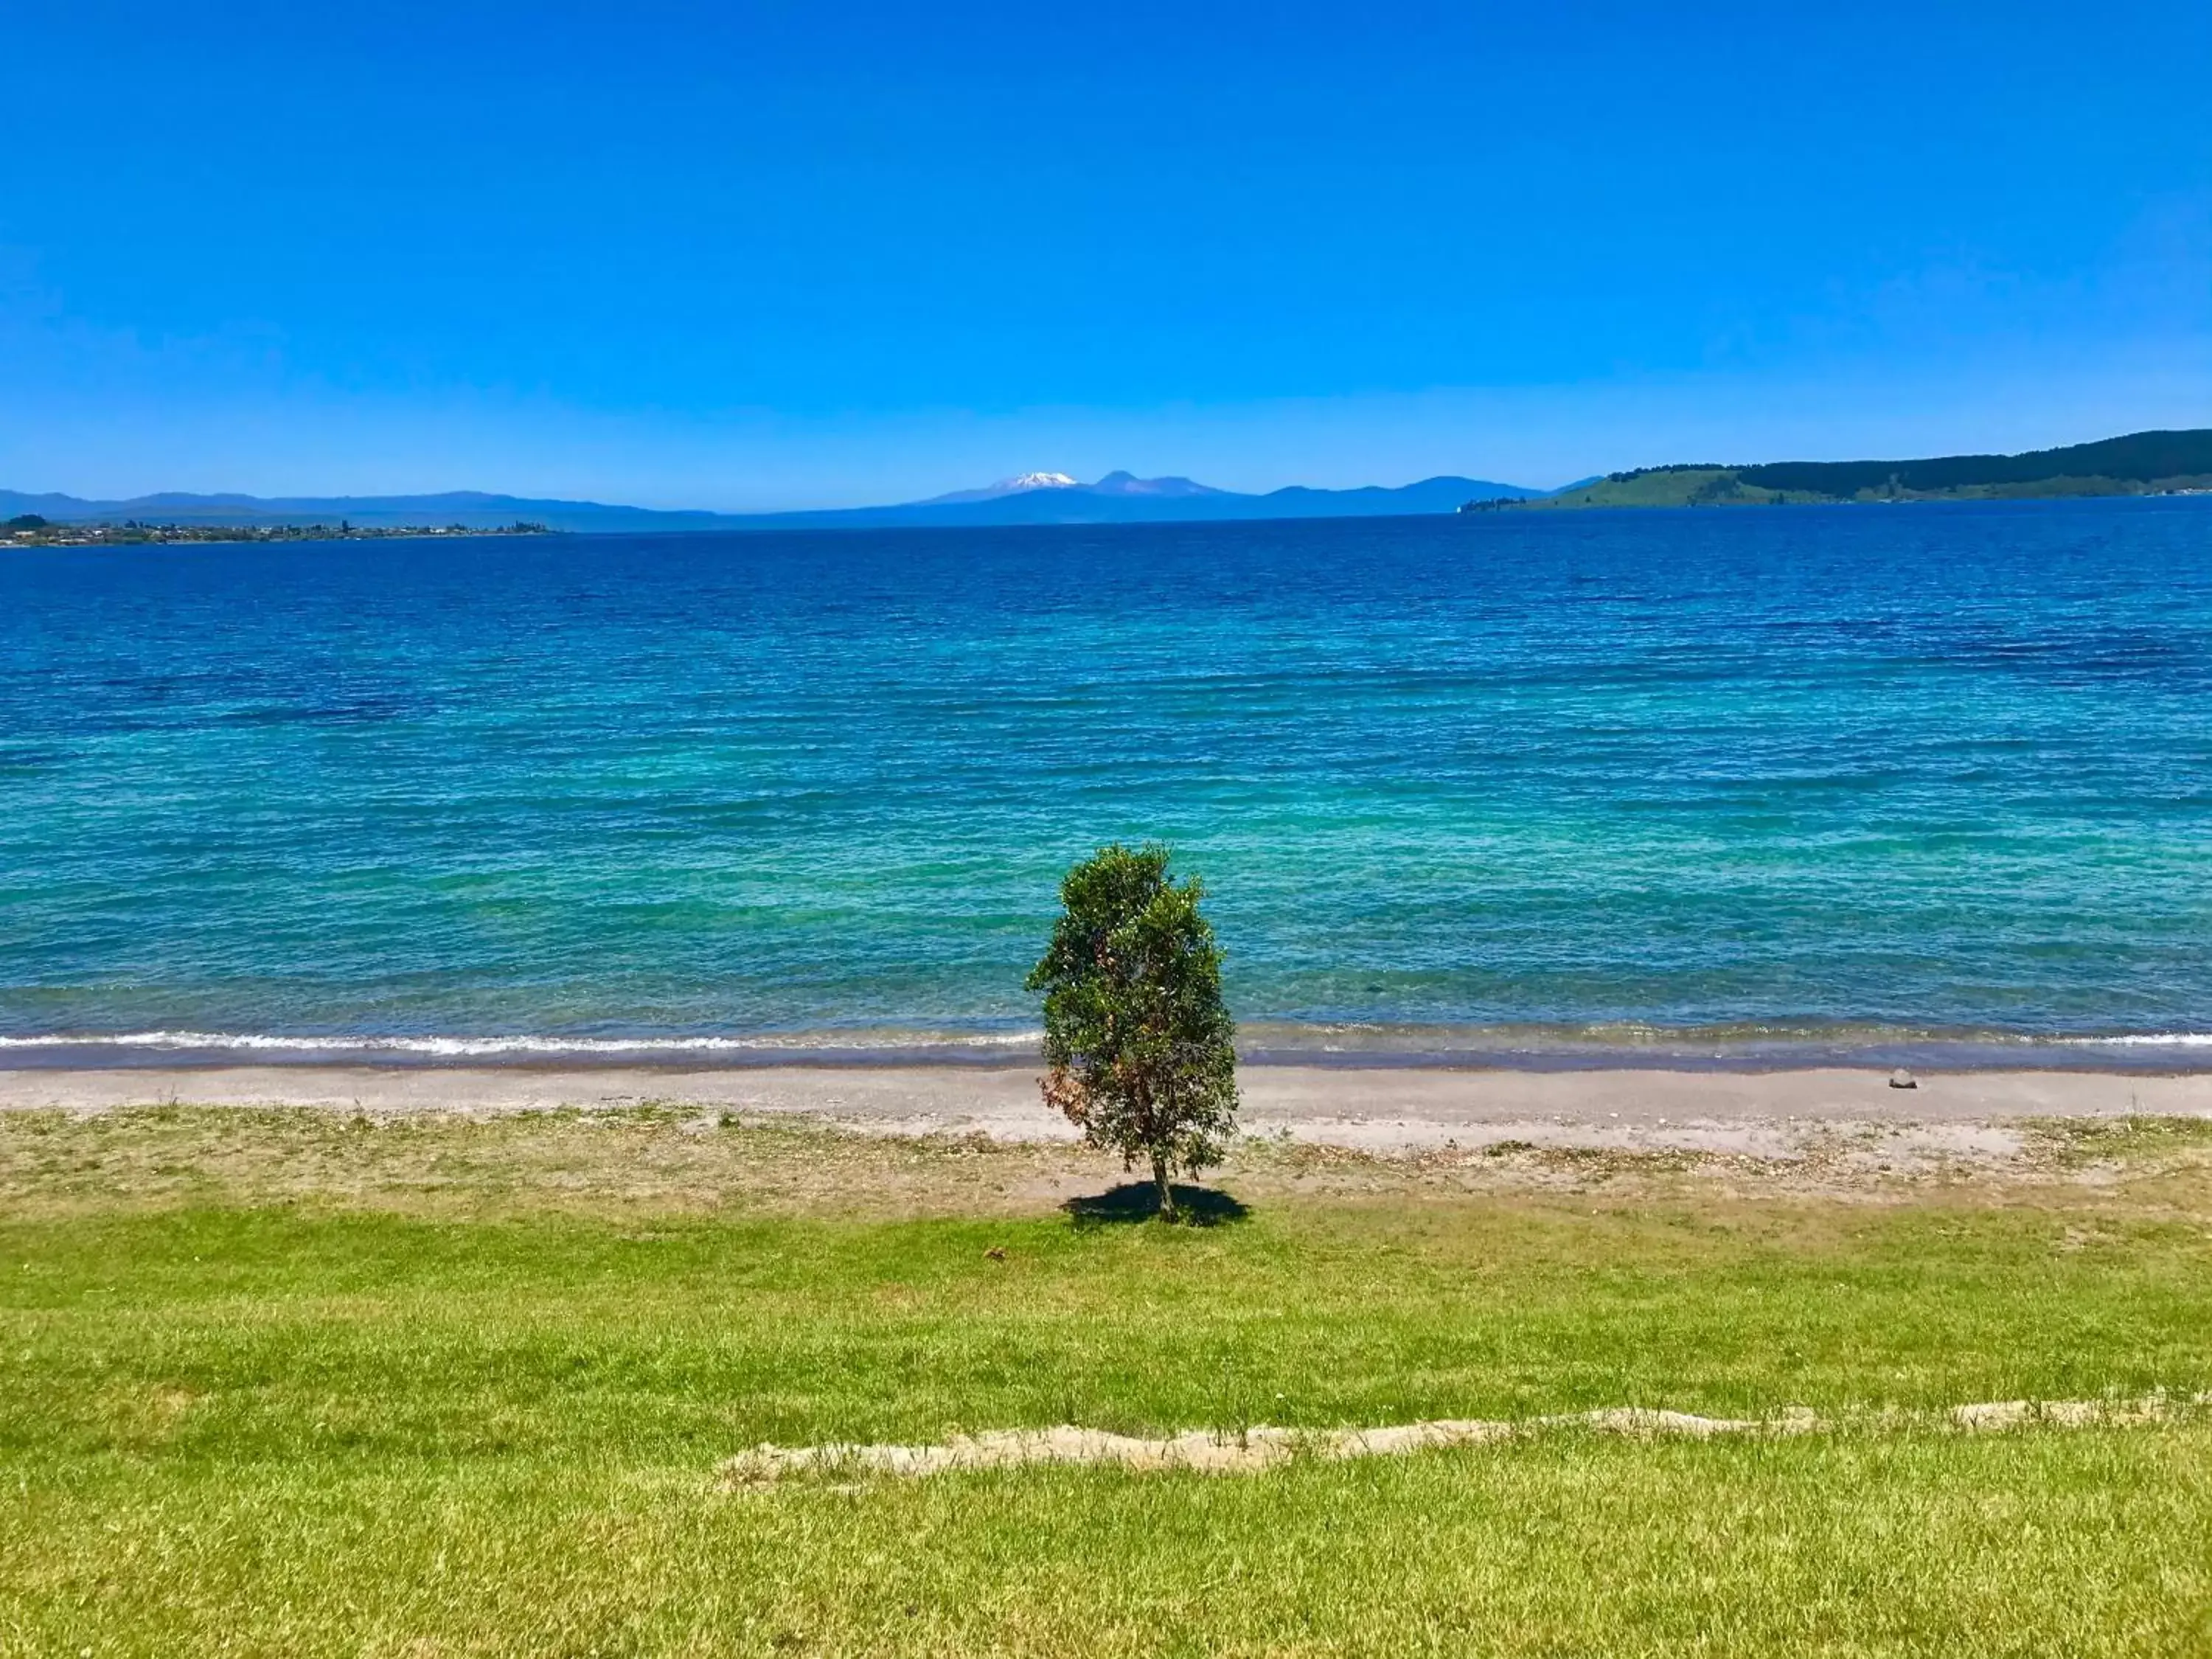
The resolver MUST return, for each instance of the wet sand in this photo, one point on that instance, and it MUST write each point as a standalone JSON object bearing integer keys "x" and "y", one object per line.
{"x": 1380, "y": 1109}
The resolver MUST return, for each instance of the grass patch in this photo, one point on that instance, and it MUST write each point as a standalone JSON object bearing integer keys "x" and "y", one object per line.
{"x": 2079, "y": 1142}
{"x": 2060, "y": 1545}
{"x": 306, "y": 1385}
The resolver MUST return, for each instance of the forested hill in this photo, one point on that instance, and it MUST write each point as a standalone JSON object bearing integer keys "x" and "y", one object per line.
{"x": 2145, "y": 463}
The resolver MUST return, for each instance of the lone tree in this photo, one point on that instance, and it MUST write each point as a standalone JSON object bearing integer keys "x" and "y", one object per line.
{"x": 1139, "y": 1048}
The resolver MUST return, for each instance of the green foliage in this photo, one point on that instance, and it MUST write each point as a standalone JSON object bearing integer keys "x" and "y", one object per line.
{"x": 2114, "y": 466}
{"x": 2140, "y": 458}
{"x": 1138, "y": 1046}
{"x": 1667, "y": 486}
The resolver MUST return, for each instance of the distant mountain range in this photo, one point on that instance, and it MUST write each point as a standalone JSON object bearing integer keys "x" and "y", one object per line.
{"x": 1032, "y": 498}
{"x": 2140, "y": 464}
{"x": 2144, "y": 463}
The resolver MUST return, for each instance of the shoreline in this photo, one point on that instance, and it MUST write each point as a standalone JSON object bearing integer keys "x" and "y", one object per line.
{"x": 1387, "y": 1109}
{"x": 1745, "y": 1048}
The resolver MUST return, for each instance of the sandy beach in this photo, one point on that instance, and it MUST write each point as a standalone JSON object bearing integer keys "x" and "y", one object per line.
{"x": 1376, "y": 1111}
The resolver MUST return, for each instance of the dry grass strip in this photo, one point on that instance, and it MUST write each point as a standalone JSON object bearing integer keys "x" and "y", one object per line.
{"x": 1251, "y": 1450}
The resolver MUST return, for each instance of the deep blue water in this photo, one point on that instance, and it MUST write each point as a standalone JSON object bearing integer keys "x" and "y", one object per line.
{"x": 1863, "y": 775}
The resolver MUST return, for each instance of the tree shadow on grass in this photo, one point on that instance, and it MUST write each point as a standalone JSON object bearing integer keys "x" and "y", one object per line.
{"x": 1140, "y": 1201}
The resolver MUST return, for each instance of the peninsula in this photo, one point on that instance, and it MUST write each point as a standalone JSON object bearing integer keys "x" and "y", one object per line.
{"x": 2142, "y": 463}
{"x": 34, "y": 530}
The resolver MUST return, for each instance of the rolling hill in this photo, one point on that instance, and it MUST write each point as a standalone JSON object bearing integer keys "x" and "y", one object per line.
{"x": 2142, "y": 463}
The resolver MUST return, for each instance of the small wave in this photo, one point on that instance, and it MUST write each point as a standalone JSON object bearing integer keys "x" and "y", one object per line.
{"x": 466, "y": 1047}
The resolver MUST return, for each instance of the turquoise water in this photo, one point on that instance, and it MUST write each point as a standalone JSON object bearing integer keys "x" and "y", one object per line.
{"x": 1719, "y": 783}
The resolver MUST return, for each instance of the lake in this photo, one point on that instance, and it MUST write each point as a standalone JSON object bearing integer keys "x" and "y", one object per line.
{"x": 1724, "y": 785}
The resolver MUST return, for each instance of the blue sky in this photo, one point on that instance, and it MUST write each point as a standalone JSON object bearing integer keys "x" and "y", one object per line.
{"x": 737, "y": 255}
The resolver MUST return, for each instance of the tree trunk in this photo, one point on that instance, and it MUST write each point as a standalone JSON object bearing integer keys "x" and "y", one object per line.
{"x": 1167, "y": 1188}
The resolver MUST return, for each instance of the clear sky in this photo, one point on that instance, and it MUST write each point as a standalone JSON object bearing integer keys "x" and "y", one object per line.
{"x": 743, "y": 255}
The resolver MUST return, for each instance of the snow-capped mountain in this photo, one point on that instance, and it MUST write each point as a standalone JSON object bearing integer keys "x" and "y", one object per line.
{"x": 1020, "y": 485}
{"x": 1113, "y": 484}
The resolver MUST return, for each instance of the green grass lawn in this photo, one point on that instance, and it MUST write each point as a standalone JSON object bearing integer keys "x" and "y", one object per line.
{"x": 272, "y": 1384}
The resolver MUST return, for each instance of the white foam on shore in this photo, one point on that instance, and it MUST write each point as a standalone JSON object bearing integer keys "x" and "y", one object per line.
{"x": 840, "y": 1043}
{"x": 487, "y": 1047}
